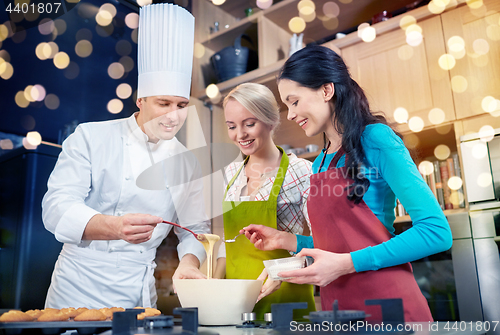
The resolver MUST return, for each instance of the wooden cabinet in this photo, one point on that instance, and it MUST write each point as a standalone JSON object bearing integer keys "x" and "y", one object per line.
{"x": 415, "y": 83}
{"x": 479, "y": 64}
{"x": 270, "y": 33}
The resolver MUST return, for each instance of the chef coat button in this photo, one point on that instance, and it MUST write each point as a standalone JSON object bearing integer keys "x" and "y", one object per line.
{"x": 127, "y": 178}
{"x": 141, "y": 251}
{"x": 128, "y": 143}
{"x": 119, "y": 213}
{"x": 166, "y": 187}
{"x": 112, "y": 249}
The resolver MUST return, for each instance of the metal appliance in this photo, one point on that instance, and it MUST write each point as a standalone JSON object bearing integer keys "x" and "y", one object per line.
{"x": 481, "y": 169}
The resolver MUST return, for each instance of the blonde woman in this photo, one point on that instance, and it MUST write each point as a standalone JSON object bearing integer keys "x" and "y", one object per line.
{"x": 268, "y": 188}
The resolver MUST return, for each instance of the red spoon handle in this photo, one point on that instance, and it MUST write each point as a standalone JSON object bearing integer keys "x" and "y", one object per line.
{"x": 192, "y": 232}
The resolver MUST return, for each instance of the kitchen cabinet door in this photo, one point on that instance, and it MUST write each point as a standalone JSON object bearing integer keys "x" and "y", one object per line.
{"x": 415, "y": 83}
{"x": 480, "y": 62}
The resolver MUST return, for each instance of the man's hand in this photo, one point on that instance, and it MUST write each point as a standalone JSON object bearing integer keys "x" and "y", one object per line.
{"x": 132, "y": 228}
{"x": 266, "y": 238}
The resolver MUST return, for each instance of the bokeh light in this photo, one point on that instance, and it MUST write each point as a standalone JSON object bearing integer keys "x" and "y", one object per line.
{"x": 493, "y": 32}
{"x": 60, "y": 26}
{"x": 407, "y": 21}
{"x": 447, "y": 62}
{"x": 459, "y": 84}
{"x": 6, "y": 70}
{"x": 486, "y": 133}
{"x": 110, "y": 8}
{"x": 442, "y": 152}
{"x": 199, "y": 50}
{"x": 52, "y": 101}
{"x": 103, "y": 18}
{"x": 6, "y": 144}
{"x": 264, "y": 4}
{"x": 331, "y": 9}
{"x": 212, "y": 91}
{"x": 411, "y": 141}
{"x": 455, "y": 183}
{"x": 308, "y": 17}
{"x": 481, "y": 46}
{"x": 144, "y": 2}
{"x": 297, "y": 25}
{"x": 401, "y": 115}
{"x": 436, "y": 7}
{"x": 116, "y": 70}
{"x": 83, "y": 48}
{"x": 414, "y": 38}
{"x": 38, "y": 92}
{"x": 84, "y": 34}
{"x": 123, "y": 91}
{"x": 484, "y": 179}
{"x": 61, "y": 60}
{"x": 132, "y": 20}
{"x": 416, "y": 124}
{"x": 479, "y": 150}
{"x": 456, "y": 44}
{"x": 34, "y": 138}
{"x": 115, "y": 106}
{"x": 362, "y": 27}
{"x": 475, "y": 4}
{"x": 489, "y": 104}
{"x": 21, "y": 100}
{"x": 27, "y": 93}
{"x": 368, "y": 34}
{"x": 27, "y": 145}
{"x": 426, "y": 168}
{"x": 218, "y": 2}
{"x": 46, "y": 26}
{"x": 436, "y": 116}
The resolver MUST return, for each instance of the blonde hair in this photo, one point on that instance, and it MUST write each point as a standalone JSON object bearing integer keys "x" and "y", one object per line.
{"x": 258, "y": 100}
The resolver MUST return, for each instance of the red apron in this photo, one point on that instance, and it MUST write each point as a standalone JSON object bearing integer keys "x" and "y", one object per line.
{"x": 341, "y": 226}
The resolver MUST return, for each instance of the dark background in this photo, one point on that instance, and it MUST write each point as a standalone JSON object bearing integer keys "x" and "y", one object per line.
{"x": 83, "y": 98}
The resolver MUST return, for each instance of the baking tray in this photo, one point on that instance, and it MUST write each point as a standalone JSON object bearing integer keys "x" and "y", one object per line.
{"x": 54, "y": 327}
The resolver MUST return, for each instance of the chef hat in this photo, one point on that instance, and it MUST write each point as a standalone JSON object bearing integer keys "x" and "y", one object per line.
{"x": 165, "y": 50}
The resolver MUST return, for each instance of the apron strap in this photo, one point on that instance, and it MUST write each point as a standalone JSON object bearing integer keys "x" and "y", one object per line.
{"x": 278, "y": 182}
{"x": 335, "y": 160}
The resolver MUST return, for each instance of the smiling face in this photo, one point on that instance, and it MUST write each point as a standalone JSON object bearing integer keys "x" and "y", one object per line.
{"x": 309, "y": 108}
{"x": 245, "y": 130}
{"x": 161, "y": 117}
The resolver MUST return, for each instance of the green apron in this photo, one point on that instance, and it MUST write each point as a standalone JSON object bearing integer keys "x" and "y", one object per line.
{"x": 244, "y": 261}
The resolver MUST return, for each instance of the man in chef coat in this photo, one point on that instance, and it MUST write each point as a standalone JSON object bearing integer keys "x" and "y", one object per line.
{"x": 100, "y": 202}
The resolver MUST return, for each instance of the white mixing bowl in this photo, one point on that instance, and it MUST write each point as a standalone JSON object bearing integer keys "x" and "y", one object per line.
{"x": 219, "y": 301}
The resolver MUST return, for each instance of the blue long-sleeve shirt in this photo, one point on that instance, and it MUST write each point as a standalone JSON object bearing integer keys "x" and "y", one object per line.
{"x": 393, "y": 174}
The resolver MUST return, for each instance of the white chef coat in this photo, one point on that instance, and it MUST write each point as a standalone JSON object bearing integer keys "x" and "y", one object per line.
{"x": 97, "y": 172}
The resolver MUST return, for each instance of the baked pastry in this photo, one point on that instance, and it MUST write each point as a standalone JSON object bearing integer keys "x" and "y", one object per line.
{"x": 15, "y": 316}
{"x": 71, "y": 312}
{"x": 50, "y": 315}
{"x": 34, "y": 313}
{"x": 91, "y": 315}
{"x": 109, "y": 311}
{"x": 148, "y": 311}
